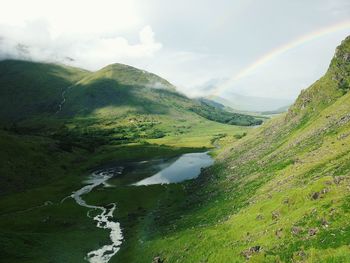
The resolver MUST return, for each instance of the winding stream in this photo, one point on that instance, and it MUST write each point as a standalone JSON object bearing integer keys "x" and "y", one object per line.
{"x": 105, "y": 218}
{"x": 174, "y": 170}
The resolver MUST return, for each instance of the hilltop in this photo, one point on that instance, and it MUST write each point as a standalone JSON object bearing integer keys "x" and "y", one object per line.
{"x": 30, "y": 90}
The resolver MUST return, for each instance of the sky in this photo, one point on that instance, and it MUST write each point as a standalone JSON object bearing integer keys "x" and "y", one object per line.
{"x": 202, "y": 47}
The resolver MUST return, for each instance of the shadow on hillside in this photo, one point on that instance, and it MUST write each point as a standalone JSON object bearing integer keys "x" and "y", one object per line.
{"x": 86, "y": 99}
{"x": 29, "y": 89}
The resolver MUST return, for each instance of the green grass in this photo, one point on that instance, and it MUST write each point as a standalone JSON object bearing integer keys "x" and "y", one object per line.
{"x": 262, "y": 187}
{"x": 283, "y": 187}
{"x": 39, "y": 168}
{"x": 30, "y": 89}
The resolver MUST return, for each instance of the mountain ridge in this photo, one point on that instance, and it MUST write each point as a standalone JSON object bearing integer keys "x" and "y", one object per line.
{"x": 116, "y": 88}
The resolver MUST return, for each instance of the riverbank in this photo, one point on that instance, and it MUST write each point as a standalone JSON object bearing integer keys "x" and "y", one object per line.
{"x": 61, "y": 232}
{"x": 173, "y": 170}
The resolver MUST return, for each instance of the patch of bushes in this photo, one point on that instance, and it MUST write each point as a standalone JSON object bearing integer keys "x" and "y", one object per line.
{"x": 215, "y": 114}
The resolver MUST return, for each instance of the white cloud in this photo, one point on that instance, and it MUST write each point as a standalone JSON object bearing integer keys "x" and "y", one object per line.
{"x": 71, "y": 17}
{"x": 193, "y": 43}
{"x": 88, "y": 51}
{"x": 90, "y": 32}
{"x": 98, "y": 52}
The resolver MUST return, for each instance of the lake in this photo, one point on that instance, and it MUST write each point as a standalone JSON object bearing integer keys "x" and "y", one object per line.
{"x": 187, "y": 166}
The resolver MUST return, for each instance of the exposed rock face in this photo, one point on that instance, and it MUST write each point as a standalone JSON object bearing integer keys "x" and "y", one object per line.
{"x": 320, "y": 194}
{"x": 315, "y": 195}
{"x": 275, "y": 215}
{"x": 334, "y": 84}
{"x": 259, "y": 217}
{"x": 324, "y": 222}
{"x": 279, "y": 233}
{"x": 296, "y": 230}
{"x": 313, "y": 231}
{"x": 248, "y": 253}
{"x": 338, "y": 179}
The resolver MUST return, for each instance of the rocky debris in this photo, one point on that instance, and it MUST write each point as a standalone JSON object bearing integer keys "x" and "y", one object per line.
{"x": 296, "y": 230}
{"x": 315, "y": 195}
{"x": 248, "y": 253}
{"x": 313, "y": 231}
{"x": 275, "y": 215}
{"x": 346, "y": 57}
{"x": 338, "y": 179}
{"x": 286, "y": 201}
{"x": 332, "y": 211}
{"x": 328, "y": 182}
{"x": 301, "y": 255}
{"x": 320, "y": 194}
{"x": 279, "y": 233}
{"x": 343, "y": 136}
{"x": 344, "y": 120}
{"x": 158, "y": 260}
{"x": 259, "y": 217}
{"x": 324, "y": 191}
{"x": 324, "y": 222}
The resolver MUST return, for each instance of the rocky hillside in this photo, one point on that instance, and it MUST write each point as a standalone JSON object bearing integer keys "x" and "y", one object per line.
{"x": 280, "y": 194}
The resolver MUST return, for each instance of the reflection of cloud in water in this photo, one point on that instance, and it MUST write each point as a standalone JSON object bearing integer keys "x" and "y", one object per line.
{"x": 188, "y": 166}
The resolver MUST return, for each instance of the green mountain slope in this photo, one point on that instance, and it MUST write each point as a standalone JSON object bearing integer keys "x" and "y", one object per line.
{"x": 29, "y": 89}
{"x": 63, "y": 111}
{"x": 119, "y": 89}
{"x": 56, "y": 126}
{"x": 280, "y": 194}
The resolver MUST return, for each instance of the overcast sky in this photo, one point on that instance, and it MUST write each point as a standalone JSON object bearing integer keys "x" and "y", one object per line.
{"x": 195, "y": 44}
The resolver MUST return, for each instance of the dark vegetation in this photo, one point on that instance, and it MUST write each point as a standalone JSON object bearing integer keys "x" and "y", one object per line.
{"x": 216, "y": 114}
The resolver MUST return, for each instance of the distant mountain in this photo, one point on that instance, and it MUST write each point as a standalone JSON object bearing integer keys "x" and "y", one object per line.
{"x": 277, "y": 111}
{"x": 250, "y": 103}
{"x": 212, "y": 103}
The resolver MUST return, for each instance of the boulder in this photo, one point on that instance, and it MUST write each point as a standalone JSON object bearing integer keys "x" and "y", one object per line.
{"x": 275, "y": 215}
{"x": 157, "y": 260}
{"x": 313, "y": 231}
{"x": 248, "y": 253}
{"x": 296, "y": 230}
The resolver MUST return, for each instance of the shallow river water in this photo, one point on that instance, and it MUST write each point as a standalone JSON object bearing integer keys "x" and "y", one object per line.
{"x": 175, "y": 170}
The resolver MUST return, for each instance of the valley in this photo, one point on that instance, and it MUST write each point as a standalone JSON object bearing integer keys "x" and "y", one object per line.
{"x": 117, "y": 166}
{"x": 50, "y": 147}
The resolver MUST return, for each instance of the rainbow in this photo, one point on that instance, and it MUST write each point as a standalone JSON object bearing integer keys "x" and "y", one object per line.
{"x": 278, "y": 51}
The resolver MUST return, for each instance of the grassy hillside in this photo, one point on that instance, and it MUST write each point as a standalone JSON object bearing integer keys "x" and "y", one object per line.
{"x": 118, "y": 101}
{"x": 129, "y": 76}
{"x": 58, "y": 123}
{"x": 280, "y": 194}
{"x": 29, "y": 89}
{"x": 114, "y": 106}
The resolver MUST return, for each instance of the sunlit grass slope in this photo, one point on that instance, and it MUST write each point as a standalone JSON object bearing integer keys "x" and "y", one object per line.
{"x": 280, "y": 194}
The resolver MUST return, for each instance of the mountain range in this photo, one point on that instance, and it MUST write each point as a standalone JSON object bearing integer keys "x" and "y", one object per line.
{"x": 244, "y": 103}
